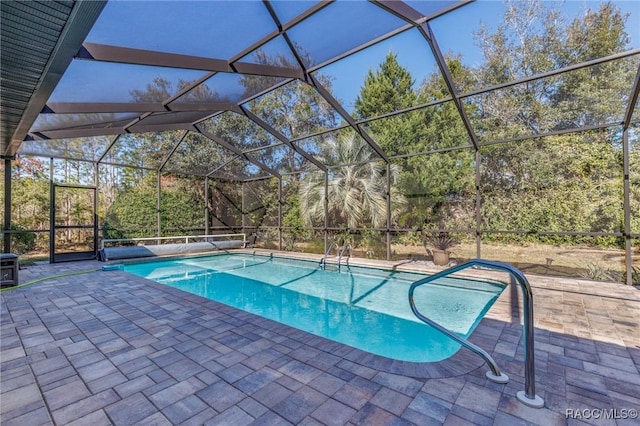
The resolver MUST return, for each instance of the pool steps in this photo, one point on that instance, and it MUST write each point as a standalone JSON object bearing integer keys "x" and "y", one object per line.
{"x": 347, "y": 246}
{"x": 323, "y": 261}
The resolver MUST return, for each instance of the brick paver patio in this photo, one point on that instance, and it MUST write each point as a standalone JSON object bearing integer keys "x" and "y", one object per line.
{"x": 106, "y": 347}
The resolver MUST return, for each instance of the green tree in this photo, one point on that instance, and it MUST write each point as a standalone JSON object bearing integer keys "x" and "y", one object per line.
{"x": 385, "y": 90}
{"x": 30, "y": 204}
{"x": 182, "y": 205}
{"x": 295, "y": 109}
{"x": 434, "y": 186}
{"x": 594, "y": 95}
{"x": 293, "y": 219}
{"x": 30, "y": 194}
{"x": 535, "y": 38}
{"x": 563, "y": 183}
{"x": 440, "y": 186}
{"x": 132, "y": 212}
{"x": 261, "y": 203}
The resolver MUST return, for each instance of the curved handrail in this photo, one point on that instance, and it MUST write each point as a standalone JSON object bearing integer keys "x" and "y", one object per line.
{"x": 326, "y": 254}
{"x": 529, "y": 396}
{"x": 344, "y": 248}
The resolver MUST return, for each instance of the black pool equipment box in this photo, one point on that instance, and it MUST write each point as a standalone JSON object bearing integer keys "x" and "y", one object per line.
{"x": 8, "y": 269}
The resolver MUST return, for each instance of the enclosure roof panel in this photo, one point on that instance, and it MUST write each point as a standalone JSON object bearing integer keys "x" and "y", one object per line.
{"x": 214, "y": 29}
{"x": 104, "y": 82}
{"x": 344, "y": 25}
{"x": 287, "y": 110}
{"x": 238, "y": 130}
{"x": 287, "y": 10}
{"x": 282, "y": 158}
{"x": 228, "y": 87}
{"x": 431, "y": 8}
{"x": 46, "y": 121}
{"x": 270, "y": 82}
{"x": 460, "y": 33}
{"x": 239, "y": 168}
{"x": 84, "y": 149}
{"x": 409, "y": 49}
{"x": 198, "y": 155}
{"x": 143, "y": 150}
{"x": 274, "y": 52}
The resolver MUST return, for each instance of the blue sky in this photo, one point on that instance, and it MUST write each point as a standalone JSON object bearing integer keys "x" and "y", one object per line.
{"x": 454, "y": 33}
{"x": 189, "y": 30}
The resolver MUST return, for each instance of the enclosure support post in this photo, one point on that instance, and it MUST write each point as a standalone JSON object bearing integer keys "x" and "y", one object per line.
{"x": 206, "y": 205}
{"x": 7, "y": 206}
{"x": 280, "y": 213}
{"x": 388, "y": 211}
{"x": 326, "y": 209}
{"x": 96, "y": 217}
{"x": 627, "y": 208}
{"x": 158, "y": 204}
{"x": 629, "y": 113}
{"x": 244, "y": 217}
{"x": 478, "y": 206}
{"x": 52, "y": 214}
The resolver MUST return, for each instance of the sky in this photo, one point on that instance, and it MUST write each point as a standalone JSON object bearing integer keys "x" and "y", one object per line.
{"x": 222, "y": 28}
{"x": 454, "y": 33}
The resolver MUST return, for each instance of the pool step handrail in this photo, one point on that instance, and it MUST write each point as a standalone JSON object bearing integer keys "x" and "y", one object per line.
{"x": 344, "y": 249}
{"x": 323, "y": 261}
{"x": 528, "y": 396}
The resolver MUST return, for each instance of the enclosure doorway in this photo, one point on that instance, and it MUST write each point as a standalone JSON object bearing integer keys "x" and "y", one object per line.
{"x": 74, "y": 230}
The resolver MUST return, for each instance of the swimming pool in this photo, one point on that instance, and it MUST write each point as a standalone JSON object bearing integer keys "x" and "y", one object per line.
{"x": 365, "y": 308}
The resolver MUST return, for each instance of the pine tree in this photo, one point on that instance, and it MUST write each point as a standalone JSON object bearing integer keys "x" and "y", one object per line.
{"x": 388, "y": 89}
{"x": 432, "y": 184}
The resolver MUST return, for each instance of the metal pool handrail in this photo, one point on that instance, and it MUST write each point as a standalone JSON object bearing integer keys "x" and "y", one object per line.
{"x": 326, "y": 254}
{"x": 528, "y": 396}
{"x": 344, "y": 248}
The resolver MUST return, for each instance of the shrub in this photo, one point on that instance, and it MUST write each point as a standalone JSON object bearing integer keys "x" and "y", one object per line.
{"x": 22, "y": 241}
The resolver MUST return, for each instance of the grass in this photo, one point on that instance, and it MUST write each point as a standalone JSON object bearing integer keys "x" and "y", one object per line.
{"x": 584, "y": 262}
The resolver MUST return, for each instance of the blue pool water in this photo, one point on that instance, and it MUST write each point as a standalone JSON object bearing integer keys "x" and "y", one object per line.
{"x": 362, "y": 307}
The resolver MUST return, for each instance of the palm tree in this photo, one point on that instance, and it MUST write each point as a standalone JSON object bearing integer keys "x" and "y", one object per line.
{"x": 357, "y": 185}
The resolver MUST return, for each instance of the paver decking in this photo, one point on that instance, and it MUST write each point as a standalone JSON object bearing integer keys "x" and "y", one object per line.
{"x": 105, "y": 347}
